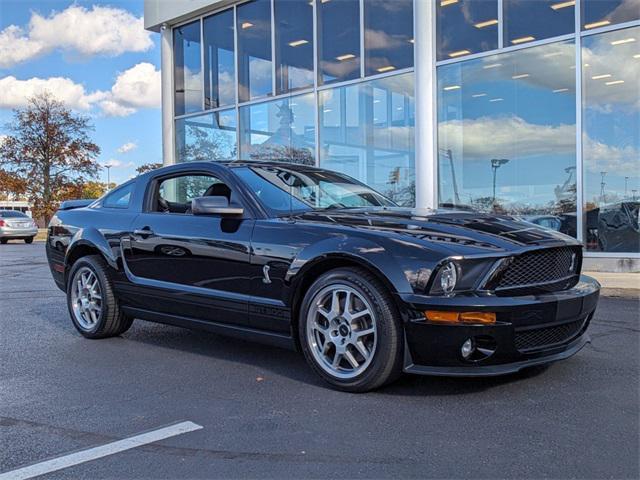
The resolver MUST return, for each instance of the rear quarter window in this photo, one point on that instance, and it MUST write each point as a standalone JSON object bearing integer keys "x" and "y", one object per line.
{"x": 119, "y": 198}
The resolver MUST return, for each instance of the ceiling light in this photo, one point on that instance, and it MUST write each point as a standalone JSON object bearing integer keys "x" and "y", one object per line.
{"x": 444, "y": 3}
{"x": 560, "y": 90}
{"x": 477, "y": 95}
{"x": 452, "y": 87}
{"x": 487, "y": 23}
{"x": 496, "y": 99}
{"x": 625, "y": 40}
{"x": 327, "y": 110}
{"x": 558, "y": 6}
{"x": 346, "y": 56}
{"x": 246, "y": 25}
{"x": 586, "y": 65}
{"x": 615, "y": 82}
{"x": 376, "y": 101}
{"x": 598, "y": 77}
{"x": 637, "y": 55}
{"x": 551, "y": 54}
{"x": 297, "y": 43}
{"x": 517, "y": 41}
{"x": 388, "y": 68}
{"x": 459, "y": 53}
{"x": 411, "y": 40}
{"x": 492, "y": 65}
{"x": 601, "y": 23}
{"x": 522, "y": 75}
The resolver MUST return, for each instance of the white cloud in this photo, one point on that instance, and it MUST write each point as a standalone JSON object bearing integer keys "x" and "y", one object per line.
{"x": 16, "y": 47}
{"x": 114, "y": 163}
{"x": 137, "y": 87}
{"x": 96, "y": 31}
{"x": 127, "y": 147}
{"x": 15, "y": 92}
{"x": 514, "y": 138}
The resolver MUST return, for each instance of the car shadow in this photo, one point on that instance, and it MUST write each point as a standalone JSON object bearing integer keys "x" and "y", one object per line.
{"x": 292, "y": 364}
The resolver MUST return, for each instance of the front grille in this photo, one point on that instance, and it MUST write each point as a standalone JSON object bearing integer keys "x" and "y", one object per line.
{"x": 538, "y": 338}
{"x": 549, "y": 269}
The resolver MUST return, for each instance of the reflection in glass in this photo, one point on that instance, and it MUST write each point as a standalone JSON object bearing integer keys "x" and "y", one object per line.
{"x": 339, "y": 40}
{"x": 601, "y": 13}
{"x": 254, "y": 49}
{"x": 207, "y": 137}
{"x": 294, "y": 45}
{"x": 279, "y": 130}
{"x": 388, "y": 35}
{"x": 529, "y": 20}
{"x": 367, "y": 132}
{"x": 506, "y": 134}
{"x": 219, "y": 70}
{"x": 465, "y": 27}
{"x": 186, "y": 54}
{"x": 611, "y": 140}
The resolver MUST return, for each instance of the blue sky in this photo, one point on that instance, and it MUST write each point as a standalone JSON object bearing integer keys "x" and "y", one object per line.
{"x": 133, "y": 118}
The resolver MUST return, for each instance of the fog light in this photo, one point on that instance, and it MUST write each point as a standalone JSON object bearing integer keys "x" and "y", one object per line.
{"x": 467, "y": 348}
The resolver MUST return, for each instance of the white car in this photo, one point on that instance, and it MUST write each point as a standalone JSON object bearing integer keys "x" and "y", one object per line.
{"x": 16, "y": 225}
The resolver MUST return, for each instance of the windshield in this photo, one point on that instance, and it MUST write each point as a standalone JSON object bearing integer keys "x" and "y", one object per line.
{"x": 283, "y": 190}
{"x": 13, "y": 214}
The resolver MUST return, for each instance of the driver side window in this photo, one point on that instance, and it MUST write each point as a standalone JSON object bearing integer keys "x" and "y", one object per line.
{"x": 174, "y": 194}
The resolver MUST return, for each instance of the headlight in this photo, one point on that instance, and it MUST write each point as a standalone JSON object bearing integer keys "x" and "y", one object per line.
{"x": 448, "y": 277}
{"x": 459, "y": 275}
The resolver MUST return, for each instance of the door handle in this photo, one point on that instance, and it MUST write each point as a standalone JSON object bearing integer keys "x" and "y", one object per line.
{"x": 145, "y": 232}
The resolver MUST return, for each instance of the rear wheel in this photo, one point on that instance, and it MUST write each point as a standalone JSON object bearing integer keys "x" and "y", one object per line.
{"x": 91, "y": 301}
{"x": 350, "y": 331}
{"x": 28, "y": 240}
{"x": 3, "y": 241}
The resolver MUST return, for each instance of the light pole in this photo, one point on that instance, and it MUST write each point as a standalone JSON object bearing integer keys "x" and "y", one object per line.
{"x": 108, "y": 167}
{"x": 496, "y": 163}
{"x": 602, "y": 185}
{"x": 626, "y": 181}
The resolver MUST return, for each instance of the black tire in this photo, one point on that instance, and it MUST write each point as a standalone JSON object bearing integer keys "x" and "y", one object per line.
{"x": 386, "y": 363}
{"x": 4, "y": 241}
{"x": 111, "y": 321}
{"x": 28, "y": 240}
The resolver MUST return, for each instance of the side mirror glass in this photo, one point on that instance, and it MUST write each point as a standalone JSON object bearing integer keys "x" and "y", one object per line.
{"x": 216, "y": 205}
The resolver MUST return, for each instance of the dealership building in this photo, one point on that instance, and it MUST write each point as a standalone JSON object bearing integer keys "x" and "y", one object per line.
{"x": 524, "y": 107}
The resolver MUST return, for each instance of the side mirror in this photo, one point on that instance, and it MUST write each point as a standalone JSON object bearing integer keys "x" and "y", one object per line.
{"x": 216, "y": 205}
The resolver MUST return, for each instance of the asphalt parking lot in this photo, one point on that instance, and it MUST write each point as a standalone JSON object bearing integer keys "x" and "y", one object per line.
{"x": 263, "y": 413}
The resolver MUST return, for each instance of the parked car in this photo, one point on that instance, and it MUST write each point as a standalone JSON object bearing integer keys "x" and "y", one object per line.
{"x": 618, "y": 229}
{"x": 15, "y": 225}
{"x": 314, "y": 260}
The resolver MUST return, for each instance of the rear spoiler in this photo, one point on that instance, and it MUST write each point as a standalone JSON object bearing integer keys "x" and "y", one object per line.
{"x": 71, "y": 204}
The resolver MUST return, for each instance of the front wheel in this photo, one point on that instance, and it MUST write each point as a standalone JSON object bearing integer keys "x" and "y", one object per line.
{"x": 93, "y": 307}
{"x": 4, "y": 241}
{"x": 350, "y": 330}
{"x": 28, "y": 240}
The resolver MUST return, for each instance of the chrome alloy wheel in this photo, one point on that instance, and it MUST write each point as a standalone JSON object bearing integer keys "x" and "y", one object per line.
{"x": 86, "y": 298}
{"x": 341, "y": 331}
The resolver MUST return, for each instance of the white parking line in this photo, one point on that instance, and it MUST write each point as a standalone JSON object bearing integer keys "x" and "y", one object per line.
{"x": 94, "y": 453}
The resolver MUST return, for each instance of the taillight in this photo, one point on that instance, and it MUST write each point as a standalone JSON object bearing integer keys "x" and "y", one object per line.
{"x": 2, "y": 224}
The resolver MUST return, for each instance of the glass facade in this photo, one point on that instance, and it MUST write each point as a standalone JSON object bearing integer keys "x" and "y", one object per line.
{"x": 207, "y": 137}
{"x": 537, "y": 101}
{"x": 279, "y": 130}
{"x": 187, "y": 69}
{"x": 611, "y": 140}
{"x": 367, "y": 132}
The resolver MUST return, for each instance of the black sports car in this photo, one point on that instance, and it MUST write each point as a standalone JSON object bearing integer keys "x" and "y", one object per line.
{"x": 311, "y": 259}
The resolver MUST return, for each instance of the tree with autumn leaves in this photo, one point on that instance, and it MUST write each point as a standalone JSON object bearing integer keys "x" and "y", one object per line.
{"x": 48, "y": 155}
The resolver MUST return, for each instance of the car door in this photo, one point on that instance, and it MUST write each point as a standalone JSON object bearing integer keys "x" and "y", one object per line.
{"x": 194, "y": 266}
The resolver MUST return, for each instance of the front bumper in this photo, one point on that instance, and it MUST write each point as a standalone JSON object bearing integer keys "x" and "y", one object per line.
{"x": 18, "y": 232}
{"x": 529, "y": 330}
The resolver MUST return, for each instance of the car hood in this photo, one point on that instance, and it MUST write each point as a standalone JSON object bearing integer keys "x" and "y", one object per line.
{"x": 461, "y": 232}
